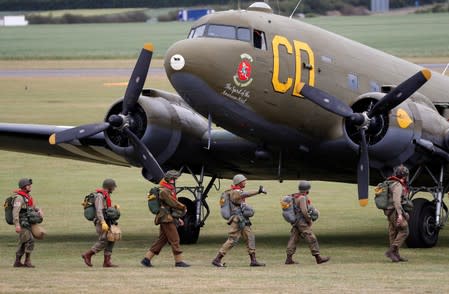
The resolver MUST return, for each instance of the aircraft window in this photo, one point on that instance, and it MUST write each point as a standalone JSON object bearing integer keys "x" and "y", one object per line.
{"x": 221, "y": 31}
{"x": 259, "y": 40}
{"x": 192, "y": 31}
{"x": 243, "y": 34}
{"x": 199, "y": 31}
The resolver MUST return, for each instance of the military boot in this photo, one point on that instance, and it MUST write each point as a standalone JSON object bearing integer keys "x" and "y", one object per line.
{"x": 87, "y": 257}
{"x": 18, "y": 262}
{"x": 254, "y": 261}
{"x": 107, "y": 262}
{"x": 390, "y": 253}
{"x": 321, "y": 259}
{"x": 179, "y": 261}
{"x": 396, "y": 252}
{"x": 27, "y": 262}
{"x": 289, "y": 259}
{"x": 217, "y": 260}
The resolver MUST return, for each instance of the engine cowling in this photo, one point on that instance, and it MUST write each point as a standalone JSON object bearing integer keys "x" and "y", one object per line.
{"x": 391, "y": 138}
{"x": 160, "y": 120}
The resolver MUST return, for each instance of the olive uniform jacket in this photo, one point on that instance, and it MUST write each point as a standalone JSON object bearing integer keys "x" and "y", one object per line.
{"x": 168, "y": 202}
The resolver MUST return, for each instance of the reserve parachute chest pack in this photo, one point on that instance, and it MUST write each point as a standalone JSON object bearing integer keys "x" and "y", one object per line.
{"x": 154, "y": 204}
{"x": 89, "y": 207}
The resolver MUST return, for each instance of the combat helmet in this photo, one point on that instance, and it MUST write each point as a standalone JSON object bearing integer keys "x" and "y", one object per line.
{"x": 304, "y": 186}
{"x": 109, "y": 184}
{"x": 400, "y": 171}
{"x": 24, "y": 182}
{"x": 237, "y": 179}
{"x": 171, "y": 175}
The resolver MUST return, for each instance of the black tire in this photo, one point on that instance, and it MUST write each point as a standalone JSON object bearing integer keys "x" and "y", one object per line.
{"x": 423, "y": 232}
{"x": 189, "y": 233}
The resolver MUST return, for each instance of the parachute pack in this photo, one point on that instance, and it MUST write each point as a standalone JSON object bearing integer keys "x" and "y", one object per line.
{"x": 288, "y": 209}
{"x": 225, "y": 205}
{"x": 89, "y": 207}
{"x": 153, "y": 200}
{"x": 382, "y": 194}
{"x": 8, "y": 205}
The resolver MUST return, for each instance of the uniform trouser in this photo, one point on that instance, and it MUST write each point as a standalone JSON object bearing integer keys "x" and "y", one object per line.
{"x": 167, "y": 233}
{"x": 26, "y": 242}
{"x": 304, "y": 231}
{"x": 396, "y": 233}
{"x": 102, "y": 243}
{"x": 235, "y": 232}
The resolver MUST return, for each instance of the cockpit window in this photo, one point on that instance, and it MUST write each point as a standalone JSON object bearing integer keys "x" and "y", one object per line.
{"x": 243, "y": 34}
{"x": 259, "y": 40}
{"x": 197, "y": 32}
{"x": 221, "y": 31}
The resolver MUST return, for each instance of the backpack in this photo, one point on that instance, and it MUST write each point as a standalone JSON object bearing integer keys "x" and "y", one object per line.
{"x": 8, "y": 205}
{"x": 288, "y": 209}
{"x": 382, "y": 194}
{"x": 225, "y": 205}
{"x": 89, "y": 207}
{"x": 153, "y": 200}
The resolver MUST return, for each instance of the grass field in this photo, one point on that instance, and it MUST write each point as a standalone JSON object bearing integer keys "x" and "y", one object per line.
{"x": 422, "y": 35}
{"x": 354, "y": 237}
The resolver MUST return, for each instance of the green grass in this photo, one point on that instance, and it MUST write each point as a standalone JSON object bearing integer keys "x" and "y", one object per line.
{"x": 354, "y": 237}
{"x": 421, "y": 35}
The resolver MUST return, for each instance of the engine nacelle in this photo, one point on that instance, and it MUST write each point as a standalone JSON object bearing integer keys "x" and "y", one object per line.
{"x": 391, "y": 138}
{"x": 160, "y": 120}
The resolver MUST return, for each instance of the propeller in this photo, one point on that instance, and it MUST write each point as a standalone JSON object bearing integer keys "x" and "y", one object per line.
{"x": 122, "y": 121}
{"x": 363, "y": 121}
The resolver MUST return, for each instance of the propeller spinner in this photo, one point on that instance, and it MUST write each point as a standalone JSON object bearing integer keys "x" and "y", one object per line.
{"x": 363, "y": 121}
{"x": 122, "y": 122}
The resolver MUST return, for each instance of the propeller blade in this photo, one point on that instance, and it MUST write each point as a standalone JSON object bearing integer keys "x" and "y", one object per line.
{"x": 137, "y": 79}
{"x": 326, "y": 101}
{"x": 77, "y": 133}
{"x": 400, "y": 93}
{"x": 149, "y": 163}
{"x": 363, "y": 170}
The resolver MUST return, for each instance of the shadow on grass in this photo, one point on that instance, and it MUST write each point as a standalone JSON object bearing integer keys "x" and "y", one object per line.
{"x": 359, "y": 239}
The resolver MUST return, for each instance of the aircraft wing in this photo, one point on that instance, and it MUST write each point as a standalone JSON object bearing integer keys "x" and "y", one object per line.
{"x": 33, "y": 139}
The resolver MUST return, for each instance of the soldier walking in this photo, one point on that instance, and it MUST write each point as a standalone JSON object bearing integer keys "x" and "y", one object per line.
{"x": 239, "y": 222}
{"x": 302, "y": 228}
{"x": 102, "y": 222}
{"x": 397, "y": 217}
{"x": 24, "y": 204}
{"x": 169, "y": 217}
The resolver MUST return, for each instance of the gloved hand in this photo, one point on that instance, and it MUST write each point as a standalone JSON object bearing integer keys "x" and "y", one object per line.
{"x": 262, "y": 190}
{"x": 104, "y": 226}
{"x": 116, "y": 206}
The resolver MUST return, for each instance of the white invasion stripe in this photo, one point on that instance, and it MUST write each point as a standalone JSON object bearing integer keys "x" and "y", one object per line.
{"x": 109, "y": 153}
{"x": 78, "y": 151}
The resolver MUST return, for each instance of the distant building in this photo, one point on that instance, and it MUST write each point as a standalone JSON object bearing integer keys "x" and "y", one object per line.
{"x": 380, "y": 6}
{"x": 16, "y": 20}
{"x": 193, "y": 14}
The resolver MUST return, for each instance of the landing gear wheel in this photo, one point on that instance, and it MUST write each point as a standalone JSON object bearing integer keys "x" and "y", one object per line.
{"x": 189, "y": 233}
{"x": 422, "y": 226}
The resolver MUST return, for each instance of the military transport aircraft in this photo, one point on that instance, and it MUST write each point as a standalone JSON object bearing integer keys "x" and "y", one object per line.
{"x": 291, "y": 100}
